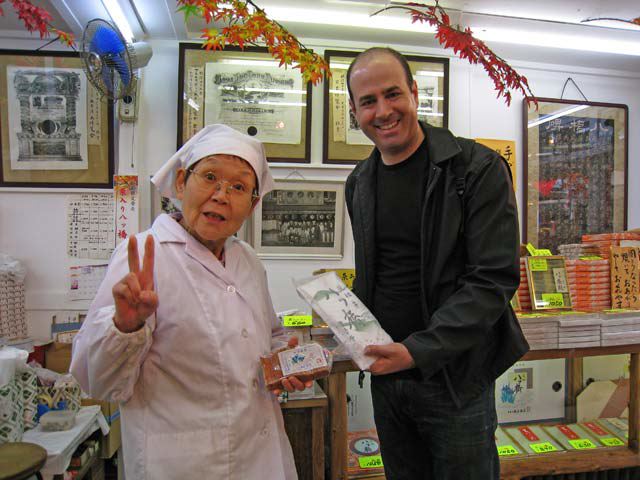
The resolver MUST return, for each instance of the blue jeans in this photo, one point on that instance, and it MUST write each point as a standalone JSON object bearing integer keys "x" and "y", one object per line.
{"x": 423, "y": 436}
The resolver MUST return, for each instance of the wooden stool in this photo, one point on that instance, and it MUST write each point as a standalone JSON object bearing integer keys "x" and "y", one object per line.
{"x": 20, "y": 461}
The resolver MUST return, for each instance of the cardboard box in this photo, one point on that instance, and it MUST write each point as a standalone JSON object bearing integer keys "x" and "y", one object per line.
{"x": 57, "y": 357}
{"x": 111, "y": 411}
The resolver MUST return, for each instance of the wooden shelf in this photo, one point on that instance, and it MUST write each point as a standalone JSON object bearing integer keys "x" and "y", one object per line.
{"x": 512, "y": 469}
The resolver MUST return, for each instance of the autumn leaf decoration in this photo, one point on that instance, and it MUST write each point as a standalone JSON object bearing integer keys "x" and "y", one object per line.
{"x": 466, "y": 46}
{"x": 37, "y": 19}
{"x": 247, "y": 24}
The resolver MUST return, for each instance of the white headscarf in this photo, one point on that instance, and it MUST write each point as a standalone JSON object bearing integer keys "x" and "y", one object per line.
{"x": 212, "y": 140}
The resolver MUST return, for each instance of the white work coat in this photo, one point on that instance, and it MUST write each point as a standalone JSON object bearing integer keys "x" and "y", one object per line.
{"x": 191, "y": 393}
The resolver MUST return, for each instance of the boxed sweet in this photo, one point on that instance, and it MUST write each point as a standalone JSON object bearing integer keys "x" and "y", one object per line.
{"x": 507, "y": 446}
{"x": 307, "y": 362}
{"x": 618, "y": 426}
{"x": 349, "y": 319}
{"x": 603, "y": 436}
{"x": 534, "y": 439}
{"x": 573, "y": 437}
{"x": 363, "y": 456}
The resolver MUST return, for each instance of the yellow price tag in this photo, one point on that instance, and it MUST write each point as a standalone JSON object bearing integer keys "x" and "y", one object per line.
{"x": 505, "y": 450}
{"x": 297, "y": 320}
{"x": 544, "y": 447}
{"x": 582, "y": 444}
{"x": 531, "y": 249}
{"x": 612, "y": 442}
{"x": 543, "y": 252}
{"x": 538, "y": 265}
{"x": 374, "y": 461}
{"x": 590, "y": 257}
{"x": 554, "y": 300}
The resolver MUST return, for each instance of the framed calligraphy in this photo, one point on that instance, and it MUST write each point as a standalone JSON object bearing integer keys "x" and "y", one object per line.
{"x": 300, "y": 219}
{"x": 343, "y": 141}
{"x": 56, "y": 131}
{"x": 248, "y": 91}
{"x": 575, "y": 170}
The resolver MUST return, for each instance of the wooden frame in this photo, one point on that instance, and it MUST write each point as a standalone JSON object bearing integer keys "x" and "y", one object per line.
{"x": 56, "y": 131}
{"x": 575, "y": 170}
{"x": 238, "y": 95}
{"x": 300, "y": 219}
{"x": 344, "y": 144}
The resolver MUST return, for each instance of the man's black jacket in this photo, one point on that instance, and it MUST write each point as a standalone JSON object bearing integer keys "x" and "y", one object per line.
{"x": 468, "y": 280}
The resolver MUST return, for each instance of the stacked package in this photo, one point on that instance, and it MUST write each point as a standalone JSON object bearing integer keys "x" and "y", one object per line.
{"x": 540, "y": 330}
{"x": 523, "y": 290}
{"x": 620, "y": 328}
{"x": 579, "y": 331}
{"x": 604, "y": 241}
{"x": 13, "y": 323}
{"x": 573, "y": 251}
{"x": 589, "y": 284}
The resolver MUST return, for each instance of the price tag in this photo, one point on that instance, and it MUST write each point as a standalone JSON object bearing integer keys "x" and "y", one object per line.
{"x": 531, "y": 249}
{"x": 554, "y": 300}
{"x": 297, "y": 320}
{"x": 582, "y": 444}
{"x": 590, "y": 257}
{"x": 612, "y": 442}
{"x": 538, "y": 265}
{"x": 544, "y": 447}
{"x": 505, "y": 450}
{"x": 374, "y": 461}
{"x": 543, "y": 252}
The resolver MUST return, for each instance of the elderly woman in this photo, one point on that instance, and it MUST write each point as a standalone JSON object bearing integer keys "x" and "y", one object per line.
{"x": 175, "y": 335}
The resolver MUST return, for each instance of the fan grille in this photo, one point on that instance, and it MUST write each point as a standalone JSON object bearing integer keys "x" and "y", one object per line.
{"x": 107, "y": 59}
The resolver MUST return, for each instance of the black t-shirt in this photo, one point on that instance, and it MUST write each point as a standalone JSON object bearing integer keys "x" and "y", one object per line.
{"x": 399, "y": 195}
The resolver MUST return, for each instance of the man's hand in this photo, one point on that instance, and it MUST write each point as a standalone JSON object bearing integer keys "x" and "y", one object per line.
{"x": 391, "y": 358}
{"x": 134, "y": 295}
{"x": 291, "y": 382}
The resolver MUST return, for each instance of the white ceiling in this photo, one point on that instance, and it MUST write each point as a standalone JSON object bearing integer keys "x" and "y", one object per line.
{"x": 542, "y": 17}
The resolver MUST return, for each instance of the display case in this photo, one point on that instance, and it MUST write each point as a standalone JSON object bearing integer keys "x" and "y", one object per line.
{"x": 565, "y": 462}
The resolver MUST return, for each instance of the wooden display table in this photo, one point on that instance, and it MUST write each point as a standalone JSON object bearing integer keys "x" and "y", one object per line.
{"x": 512, "y": 469}
{"x": 304, "y": 422}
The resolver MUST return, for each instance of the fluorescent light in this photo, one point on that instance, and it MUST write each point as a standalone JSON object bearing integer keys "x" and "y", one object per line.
{"x": 339, "y": 66}
{"x": 255, "y": 89}
{"x": 341, "y": 18}
{"x": 552, "y": 40}
{"x": 255, "y": 63}
{"x": 429, "y": 73}
{"x": 117, "y": 15}
{"x": 561, "y": 113}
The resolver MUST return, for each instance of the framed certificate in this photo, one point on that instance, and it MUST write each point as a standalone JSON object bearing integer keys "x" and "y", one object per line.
{"x": 248, "y": 91}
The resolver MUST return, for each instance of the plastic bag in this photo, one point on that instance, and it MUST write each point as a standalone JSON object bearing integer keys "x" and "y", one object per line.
{"x": 349, "y": 319}
{"x": 307, "y": 362}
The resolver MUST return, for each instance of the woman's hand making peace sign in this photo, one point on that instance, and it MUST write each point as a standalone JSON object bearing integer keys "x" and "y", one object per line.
{"x": 134, "y": 295}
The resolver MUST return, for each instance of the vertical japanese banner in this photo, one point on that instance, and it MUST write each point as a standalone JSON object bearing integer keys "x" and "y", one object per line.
{"x": 506, "y": 148}
{"x": 125, "y": 189}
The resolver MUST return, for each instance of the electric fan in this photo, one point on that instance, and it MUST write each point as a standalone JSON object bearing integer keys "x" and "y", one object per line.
{"x": 110, "y": 62}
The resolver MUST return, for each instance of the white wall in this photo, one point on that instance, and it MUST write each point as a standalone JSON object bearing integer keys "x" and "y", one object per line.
{"x": 33, "y": 224}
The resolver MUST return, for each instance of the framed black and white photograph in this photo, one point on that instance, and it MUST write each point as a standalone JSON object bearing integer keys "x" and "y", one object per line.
{"x": 343, "y": 140}
{"x": 56, "y": 129}
{"x": 248, "y": 91}
{"x": 300, "y": 219}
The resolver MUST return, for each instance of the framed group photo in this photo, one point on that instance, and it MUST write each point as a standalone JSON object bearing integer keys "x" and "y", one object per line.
{"x": 248, "y": 91}
{"x": 575, "y": 170}
{"x": 343, "y": 140}
{"x": 56, "y": 130}
{"x": 300, "y": 219}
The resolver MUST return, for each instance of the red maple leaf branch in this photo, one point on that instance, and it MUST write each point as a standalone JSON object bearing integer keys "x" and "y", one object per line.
{"x": 467, "y": 47}
{"x": 251, "y": 26}
{"x": 37, "y": 19}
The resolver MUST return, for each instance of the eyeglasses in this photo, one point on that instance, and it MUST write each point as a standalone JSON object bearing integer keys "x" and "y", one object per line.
{"x": 236, "y": 189}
